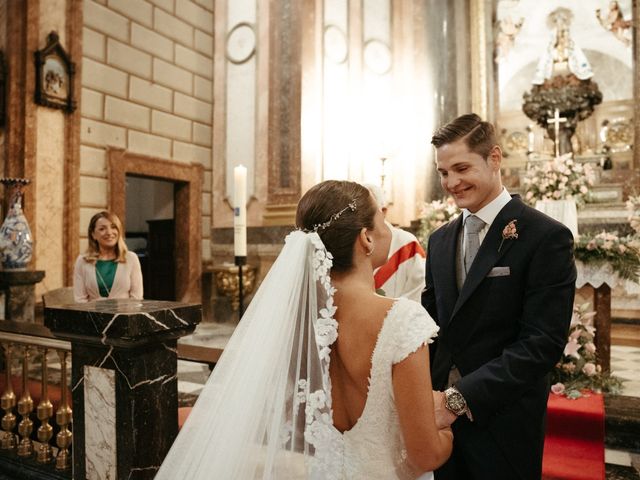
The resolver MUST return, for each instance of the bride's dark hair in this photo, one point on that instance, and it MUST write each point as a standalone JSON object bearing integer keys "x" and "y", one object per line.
{"x": 324, "y": 201}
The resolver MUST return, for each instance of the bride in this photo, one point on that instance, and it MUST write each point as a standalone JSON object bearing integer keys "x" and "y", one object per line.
{"x": 322, "y": 378}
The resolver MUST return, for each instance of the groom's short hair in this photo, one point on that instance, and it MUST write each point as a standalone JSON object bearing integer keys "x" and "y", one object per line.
{"x": 478, "y": 135}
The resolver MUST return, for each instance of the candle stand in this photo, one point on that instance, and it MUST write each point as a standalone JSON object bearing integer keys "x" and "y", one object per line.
{"x": 240, "y": 261}
{"x": 227, "y": 284}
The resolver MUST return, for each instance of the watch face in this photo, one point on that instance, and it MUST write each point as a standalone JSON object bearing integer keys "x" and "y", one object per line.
{"x": 455, "y": 402}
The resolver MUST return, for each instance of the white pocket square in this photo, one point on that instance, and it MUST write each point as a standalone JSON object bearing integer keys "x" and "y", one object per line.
{"x": 499, "y": 272}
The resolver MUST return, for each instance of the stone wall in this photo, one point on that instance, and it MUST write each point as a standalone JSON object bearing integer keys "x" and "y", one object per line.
{"x": 147, "y": 88}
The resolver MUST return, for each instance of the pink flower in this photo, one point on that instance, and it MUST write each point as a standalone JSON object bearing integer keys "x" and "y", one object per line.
{"x": 571, "y": 349}
{"x": 509, "y": 232}
{"x": 590, "y": 347}
{"x": 569, "y": 367}
{"x": 575, "y": 335}
{"x": 589, "y": 369}
{"x": 558, "y": 388}
{"x": 575, "y": 319}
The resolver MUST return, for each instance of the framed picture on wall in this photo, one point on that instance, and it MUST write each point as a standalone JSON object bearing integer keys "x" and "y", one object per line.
{"x": 54, "y": 76}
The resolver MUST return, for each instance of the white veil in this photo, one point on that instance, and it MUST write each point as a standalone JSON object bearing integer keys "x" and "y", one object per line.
{"x": 265, "y": 411}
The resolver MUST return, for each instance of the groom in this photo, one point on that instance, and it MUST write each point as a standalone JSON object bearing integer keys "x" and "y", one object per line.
{"x": 500, "y": 282}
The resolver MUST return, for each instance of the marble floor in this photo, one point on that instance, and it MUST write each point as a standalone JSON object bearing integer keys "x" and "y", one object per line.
{"x": 193, "y": 375}
{"x": 625, "y": 364}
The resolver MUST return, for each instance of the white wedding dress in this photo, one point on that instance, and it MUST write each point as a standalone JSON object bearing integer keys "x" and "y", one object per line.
{"x": 265, "y": 412}
{"x": 374, "y": 447}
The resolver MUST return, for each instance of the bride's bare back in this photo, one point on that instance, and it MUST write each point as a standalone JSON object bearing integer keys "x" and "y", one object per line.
{"x": 360, "y": 315}
{"x": 360, "y": 319}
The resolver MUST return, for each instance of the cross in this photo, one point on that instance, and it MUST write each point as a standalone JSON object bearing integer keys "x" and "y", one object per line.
{"x": 556, "y": 121}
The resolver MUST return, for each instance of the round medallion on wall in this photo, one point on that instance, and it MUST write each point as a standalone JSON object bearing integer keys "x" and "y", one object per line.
{"x": 241, "y": 43}
{"x": 335, "y": 44}
{"x": 377, "y": 56}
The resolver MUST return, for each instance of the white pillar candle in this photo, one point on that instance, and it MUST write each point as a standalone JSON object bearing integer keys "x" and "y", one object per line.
{"x": 240, "y": 211}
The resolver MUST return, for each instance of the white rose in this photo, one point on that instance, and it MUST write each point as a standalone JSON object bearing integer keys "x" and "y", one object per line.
{"x": 589, "y": 369}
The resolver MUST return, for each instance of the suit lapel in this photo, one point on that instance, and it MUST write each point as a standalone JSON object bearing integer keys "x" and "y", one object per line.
{"x": 444, "y": 266}
{"x": 488, "y": 254}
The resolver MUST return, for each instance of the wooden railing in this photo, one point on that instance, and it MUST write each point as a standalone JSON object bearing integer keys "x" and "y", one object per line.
{"x": 28, "y": 446}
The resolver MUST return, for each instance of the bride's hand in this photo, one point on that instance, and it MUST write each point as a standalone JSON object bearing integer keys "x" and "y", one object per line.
{"x": 444, "y": 418}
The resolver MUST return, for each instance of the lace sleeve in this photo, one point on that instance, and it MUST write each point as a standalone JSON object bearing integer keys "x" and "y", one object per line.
{"x": 413, "y": 328}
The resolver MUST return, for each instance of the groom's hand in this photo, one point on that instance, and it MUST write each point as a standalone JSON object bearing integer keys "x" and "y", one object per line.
{"x": 444, "y": 417}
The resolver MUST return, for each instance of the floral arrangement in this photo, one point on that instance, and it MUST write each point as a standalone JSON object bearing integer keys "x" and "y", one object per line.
{"x": 558, "y": 179}
{"x": 623, "y": 253}
{"x": 435, "y": 214}
{"x": 578, "y": 370}
{"x": 633, "y": 207}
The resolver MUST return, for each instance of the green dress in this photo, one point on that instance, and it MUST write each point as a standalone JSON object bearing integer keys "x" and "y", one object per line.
{"x": 105, "y": 274}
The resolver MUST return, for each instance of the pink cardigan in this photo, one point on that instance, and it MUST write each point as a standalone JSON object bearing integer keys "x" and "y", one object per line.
{"x": 126, "y": 284}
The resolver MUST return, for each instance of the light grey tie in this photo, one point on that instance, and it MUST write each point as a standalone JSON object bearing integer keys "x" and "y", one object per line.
{"x": 473, "y": 225}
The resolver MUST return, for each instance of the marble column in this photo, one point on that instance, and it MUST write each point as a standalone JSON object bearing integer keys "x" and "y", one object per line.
{"x": 444, "y": 30}
{"x": 483, "y": 97}
{"x": 124, "y": 382}
{"x": 636, "y": 83}
{"x": 285, "y": 75}
{"x": 21, "y": 122}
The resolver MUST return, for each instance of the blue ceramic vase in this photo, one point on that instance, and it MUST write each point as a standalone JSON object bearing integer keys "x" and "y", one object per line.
{"x": 16, "y": 244}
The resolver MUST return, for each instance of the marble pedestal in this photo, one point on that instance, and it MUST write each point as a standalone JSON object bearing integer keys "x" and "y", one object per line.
{"x": 19, "y": 289}
{"x": 124, "y": 382}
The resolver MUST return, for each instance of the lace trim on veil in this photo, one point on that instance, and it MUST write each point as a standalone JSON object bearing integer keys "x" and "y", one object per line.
{"x": 319, "y": 431}
{"x": 265, "y": 412}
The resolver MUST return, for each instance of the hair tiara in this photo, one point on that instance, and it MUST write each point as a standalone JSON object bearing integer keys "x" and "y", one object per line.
{"x": 322, "y": 226}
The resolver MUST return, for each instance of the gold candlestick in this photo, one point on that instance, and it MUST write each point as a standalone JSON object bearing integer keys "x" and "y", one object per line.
{"x": 63, "y": 418}
{"x": 25, "y": 407}
{"x": 8, "y": 402}
{"x": 45, "y": 412}
{"x": 228, "y": 284}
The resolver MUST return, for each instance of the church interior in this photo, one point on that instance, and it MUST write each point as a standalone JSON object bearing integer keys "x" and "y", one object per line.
{"x": 201, "y": 123}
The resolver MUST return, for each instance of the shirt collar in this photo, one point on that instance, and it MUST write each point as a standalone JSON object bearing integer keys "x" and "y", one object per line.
{"x": 490, "y": 211}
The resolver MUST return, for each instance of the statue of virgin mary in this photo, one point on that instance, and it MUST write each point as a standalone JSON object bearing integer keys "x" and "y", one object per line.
{"x": 562, "y": 56}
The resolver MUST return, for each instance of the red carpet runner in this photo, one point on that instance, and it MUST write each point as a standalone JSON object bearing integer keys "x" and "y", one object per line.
{"x": 574, "y": 443}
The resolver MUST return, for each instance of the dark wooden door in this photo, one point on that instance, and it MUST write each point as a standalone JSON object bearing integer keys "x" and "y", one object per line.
{"x": 160, "y": 275}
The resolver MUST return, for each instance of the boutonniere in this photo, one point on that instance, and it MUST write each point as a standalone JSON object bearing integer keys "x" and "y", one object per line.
{"x": 509, "y": 232}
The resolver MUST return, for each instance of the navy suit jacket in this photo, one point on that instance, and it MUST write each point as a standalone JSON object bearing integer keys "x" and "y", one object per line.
{"x": 504, "y": 333}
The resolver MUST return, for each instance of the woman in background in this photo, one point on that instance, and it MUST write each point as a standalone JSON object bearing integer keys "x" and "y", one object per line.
{"x": 107, "y": 269}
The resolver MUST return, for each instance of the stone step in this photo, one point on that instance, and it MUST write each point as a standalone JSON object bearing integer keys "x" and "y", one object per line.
{"x": 620, "y": 472}
{"x": 606, "y": 193}
{"x": 627, "y": 334}
{"x": 626, "y": 321}
{"x": 622, "y": 422}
